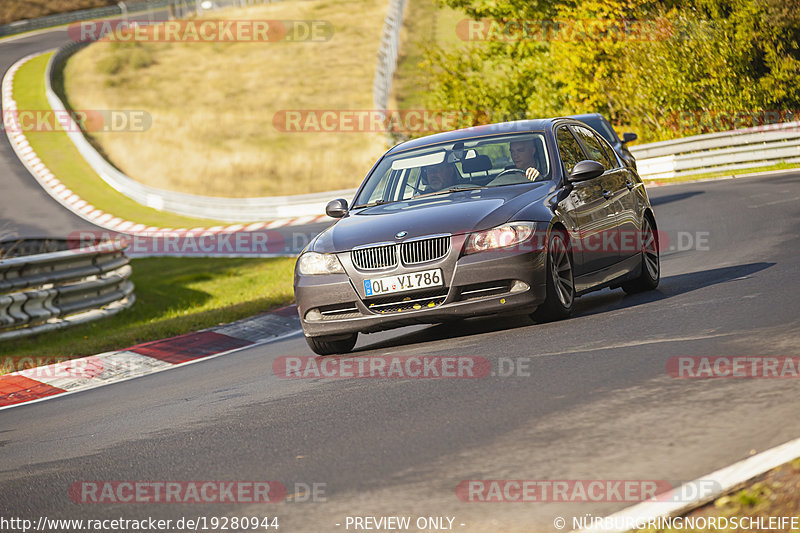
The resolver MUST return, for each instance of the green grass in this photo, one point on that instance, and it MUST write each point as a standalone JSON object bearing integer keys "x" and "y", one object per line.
{"x": 61, "y": 156}
{"x": 173, "y": 296}
{"x": 726, "y": 173}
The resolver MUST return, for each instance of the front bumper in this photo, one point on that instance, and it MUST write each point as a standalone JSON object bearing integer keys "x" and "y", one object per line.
{"x": 502, "y": 281}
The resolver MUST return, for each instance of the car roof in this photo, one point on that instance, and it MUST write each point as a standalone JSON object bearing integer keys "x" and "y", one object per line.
{"x": 501, "y": 128}
{"x": 588, "y": 115}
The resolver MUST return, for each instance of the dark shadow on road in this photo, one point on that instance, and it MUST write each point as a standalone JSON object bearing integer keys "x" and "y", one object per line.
{"x": 661, "y": 200}
{"x": 668, "y": 287}
{"x": 591, "y": 304}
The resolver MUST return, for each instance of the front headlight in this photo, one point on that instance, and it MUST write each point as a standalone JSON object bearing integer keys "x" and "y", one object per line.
{"x": 312, "y": 263}
{"x": 499, "y": 237}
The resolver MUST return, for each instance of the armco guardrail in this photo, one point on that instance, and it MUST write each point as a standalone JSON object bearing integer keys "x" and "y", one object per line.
{"x": 120, "y": 9}
{"x": 52, "y": 290}
{"x": 717, "y": 152}
{"x": 225, "y": 209}
{"x": 124, "y": 9}
{"x": 387, "y": 54}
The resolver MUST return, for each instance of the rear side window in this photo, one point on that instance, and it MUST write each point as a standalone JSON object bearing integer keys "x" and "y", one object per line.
{"x": 570, "y": 150}
{"x": 594, "y": 148}
{"x": 610, "y": 152}
{"x": 602, "y": 127}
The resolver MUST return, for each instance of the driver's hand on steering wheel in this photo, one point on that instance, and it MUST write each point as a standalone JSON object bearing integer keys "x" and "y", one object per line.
{"x": 531, "y": 173}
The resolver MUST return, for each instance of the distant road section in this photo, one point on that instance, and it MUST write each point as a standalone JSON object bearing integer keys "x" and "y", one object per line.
{"x": 26, "y": 210}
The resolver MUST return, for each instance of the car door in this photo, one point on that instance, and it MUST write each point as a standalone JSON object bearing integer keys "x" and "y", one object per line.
{"x": 627, "y": 204}
{"x": 589, "y": 208}
{"x": 614, "y": 189}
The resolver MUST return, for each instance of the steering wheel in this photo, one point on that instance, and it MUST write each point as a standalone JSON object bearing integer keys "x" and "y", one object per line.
{"x": 509, "y": 171}
{"x": 416, "y": 189}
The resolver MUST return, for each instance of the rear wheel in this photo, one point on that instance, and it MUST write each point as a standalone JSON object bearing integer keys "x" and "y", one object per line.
{"x": 651, "y": 264}
{"x": 560, "y": 296}
{"x": 332, "y": 345}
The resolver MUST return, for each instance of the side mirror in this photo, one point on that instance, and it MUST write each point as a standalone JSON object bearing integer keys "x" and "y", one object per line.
{"x": 586, "y": 170}
{"x": 629, "y": 137}
{"x": 336, "y": 208}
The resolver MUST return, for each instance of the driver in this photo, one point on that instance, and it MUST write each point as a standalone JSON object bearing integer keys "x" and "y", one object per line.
{"x": 441, "y": 176}
{"x": 523, "y": 153}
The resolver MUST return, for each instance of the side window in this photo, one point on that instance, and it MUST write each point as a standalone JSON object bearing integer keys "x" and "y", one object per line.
{"x": 594, "y": 148}
{"x": 568, "y": 147}
{"x": 610, "y": 152}
{"x": 380, "y": 188}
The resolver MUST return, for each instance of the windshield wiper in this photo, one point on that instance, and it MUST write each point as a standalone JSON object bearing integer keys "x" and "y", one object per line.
{"x": 456, "y": 188}
{"x": 371, "y": 204}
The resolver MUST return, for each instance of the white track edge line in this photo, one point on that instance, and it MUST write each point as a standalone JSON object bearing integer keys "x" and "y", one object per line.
{"x": 728, "y": 478}
{"x": 261, "y": 342}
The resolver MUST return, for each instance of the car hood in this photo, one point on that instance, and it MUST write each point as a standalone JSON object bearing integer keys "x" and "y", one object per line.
{"x": 453, "y": 213}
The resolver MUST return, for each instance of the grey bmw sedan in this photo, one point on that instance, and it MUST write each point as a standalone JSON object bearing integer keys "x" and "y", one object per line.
{"x": 518, "y": 217}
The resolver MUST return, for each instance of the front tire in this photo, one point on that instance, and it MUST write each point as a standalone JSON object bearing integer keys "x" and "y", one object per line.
{"x": 560, "y": 296}
{"x": 651, "y": 261}
{"x": 332, "y": 345}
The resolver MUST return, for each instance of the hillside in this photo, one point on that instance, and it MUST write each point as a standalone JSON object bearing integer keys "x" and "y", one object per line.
{"x": 213, "y": 104}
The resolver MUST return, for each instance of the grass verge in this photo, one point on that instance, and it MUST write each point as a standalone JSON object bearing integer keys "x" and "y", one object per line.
{"x": 773, "y": 494}
{"x": 60, "y": 155}
{"x": 726, "y": 173}
{"x": 173, "y": 296}
{"x": 216, "y": 107}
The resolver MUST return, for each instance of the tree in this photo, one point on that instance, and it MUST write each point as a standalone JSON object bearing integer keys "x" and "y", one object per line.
{"x": 668, "y": 68}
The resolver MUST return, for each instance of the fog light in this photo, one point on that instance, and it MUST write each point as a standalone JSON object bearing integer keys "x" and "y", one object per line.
{"x": 313, "y": 315}
{"x": 519, "y": 286}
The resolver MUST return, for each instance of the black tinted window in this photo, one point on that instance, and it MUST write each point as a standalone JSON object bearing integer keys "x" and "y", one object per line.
{"x": 594, "y": 148}
{"x": 612, "y": 154}
{"x": 601, "y": 127}
{"x": 570, "y": 150}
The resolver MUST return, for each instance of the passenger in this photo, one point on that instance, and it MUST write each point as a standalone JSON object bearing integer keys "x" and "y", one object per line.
{"x": 441, "y": 176}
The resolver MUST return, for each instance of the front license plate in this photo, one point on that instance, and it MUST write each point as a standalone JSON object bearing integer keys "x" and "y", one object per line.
{"x": 403, "y": 282}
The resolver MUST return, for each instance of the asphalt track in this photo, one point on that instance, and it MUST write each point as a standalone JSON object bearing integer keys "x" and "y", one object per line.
{"x": 597, "y": 403}
{"x": 26, "y": 210}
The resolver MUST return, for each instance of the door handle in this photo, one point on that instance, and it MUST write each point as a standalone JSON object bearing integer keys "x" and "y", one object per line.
{"x": 607, "y": 194}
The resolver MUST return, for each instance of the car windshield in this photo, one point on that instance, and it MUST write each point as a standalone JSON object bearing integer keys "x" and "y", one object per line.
{"x": 457, "y": 166}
